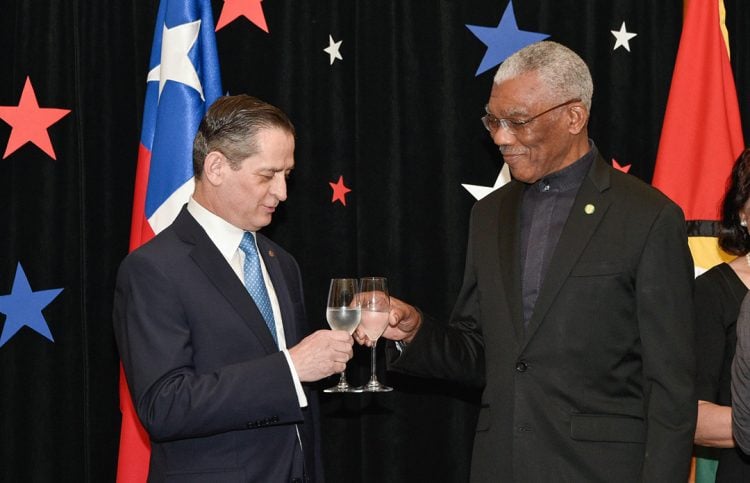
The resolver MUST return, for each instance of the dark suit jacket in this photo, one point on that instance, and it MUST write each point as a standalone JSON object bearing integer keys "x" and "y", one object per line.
{"x": 600, "y": 385}
{"x": 214, "y": 393}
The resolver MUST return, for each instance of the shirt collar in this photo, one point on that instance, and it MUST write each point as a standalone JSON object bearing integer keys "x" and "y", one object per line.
{"x": 570, "y": 177}
{"x": 225, "y": 236}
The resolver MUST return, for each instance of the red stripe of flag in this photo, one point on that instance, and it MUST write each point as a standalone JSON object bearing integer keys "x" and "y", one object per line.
{"x": 702, "y": 132}
{"x": 140, "y": 229}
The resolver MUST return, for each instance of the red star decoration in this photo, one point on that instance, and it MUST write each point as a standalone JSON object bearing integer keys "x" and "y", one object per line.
{"x": 339, "y": 191}
{"x": 616, "y": 165}
{"x": 29, "y": 122}
{"x": 250, "y": 9}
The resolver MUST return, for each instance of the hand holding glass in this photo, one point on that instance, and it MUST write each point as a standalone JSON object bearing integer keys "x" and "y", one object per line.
{"x": 343, "y": 313}
{"x": 376, "y": 305}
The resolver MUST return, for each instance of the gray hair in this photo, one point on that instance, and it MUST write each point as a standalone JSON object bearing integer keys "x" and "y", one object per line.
{"x": 231, "y": 126}
{"x": 558, "y": 67}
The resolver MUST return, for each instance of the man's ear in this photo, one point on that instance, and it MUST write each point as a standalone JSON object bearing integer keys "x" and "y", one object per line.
{"x": 578, "y": 116}
{"x": 214, "y": 167}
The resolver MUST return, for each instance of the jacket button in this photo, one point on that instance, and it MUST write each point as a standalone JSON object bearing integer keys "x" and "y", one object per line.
{"x": 521, "y": 366}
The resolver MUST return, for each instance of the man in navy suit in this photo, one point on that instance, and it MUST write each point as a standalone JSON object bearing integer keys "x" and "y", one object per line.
{"x": 213, "y": 338}
{"x": 575, "y": 314}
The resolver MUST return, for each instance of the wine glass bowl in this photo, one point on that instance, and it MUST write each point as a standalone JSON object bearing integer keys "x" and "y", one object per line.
{"x": 343, "y": 313}
{"x": 375, "y": 307}
{"x": 372, "y": 324}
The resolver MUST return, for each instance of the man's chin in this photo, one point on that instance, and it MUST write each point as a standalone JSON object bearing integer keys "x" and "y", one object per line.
{"x": 519, "y": 174}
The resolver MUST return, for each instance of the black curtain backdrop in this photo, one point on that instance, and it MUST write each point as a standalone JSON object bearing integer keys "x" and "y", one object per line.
{"x": 398, "y": 118}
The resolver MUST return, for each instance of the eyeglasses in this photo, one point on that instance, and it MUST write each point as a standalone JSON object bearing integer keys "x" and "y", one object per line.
{"x": 515, "y": 126}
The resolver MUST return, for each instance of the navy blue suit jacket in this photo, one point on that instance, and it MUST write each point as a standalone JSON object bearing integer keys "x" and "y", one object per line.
{"x": 208, "y": 383}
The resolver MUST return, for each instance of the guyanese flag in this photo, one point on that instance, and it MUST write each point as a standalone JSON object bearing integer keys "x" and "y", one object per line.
{"x": 702, "y": 132}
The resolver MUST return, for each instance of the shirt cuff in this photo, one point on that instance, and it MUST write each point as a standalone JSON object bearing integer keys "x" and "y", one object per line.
{"x": 297, "y": 384}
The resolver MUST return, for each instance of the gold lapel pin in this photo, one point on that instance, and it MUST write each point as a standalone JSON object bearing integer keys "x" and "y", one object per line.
{"x": 589, "y": 209}
{"x": 271, "y": 253}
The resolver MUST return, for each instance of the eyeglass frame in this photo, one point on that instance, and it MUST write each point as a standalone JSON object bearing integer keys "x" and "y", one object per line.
{"x": 514, "y": 125}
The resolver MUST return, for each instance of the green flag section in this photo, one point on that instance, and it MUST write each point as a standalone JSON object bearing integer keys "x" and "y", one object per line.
{"x": 702, "y": 106}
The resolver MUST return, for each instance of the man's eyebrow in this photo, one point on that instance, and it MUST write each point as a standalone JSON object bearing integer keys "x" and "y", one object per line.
{"x": 513, "y": 114}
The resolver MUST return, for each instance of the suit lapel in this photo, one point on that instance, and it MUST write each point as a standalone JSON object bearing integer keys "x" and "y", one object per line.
{"x": 217, "y": 270}
{"x": 588, "y": 209}
{"x": 286, "y": 306}
{"x": 509, "y": 223}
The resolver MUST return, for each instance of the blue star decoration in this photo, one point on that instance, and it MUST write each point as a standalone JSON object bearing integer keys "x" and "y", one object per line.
{"x": 503, "y": 40}
{"x": 23, "y": 307}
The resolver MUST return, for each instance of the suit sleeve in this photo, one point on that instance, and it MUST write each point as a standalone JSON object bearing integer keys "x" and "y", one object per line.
{"x": 664, "y": 304}
{"x": 741, "y": 380}
{"x": 454, "y": 351}
{"x": 172, "y": 399}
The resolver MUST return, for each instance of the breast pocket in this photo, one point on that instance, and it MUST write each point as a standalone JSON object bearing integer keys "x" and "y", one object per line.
{"x": 598, "y": 288}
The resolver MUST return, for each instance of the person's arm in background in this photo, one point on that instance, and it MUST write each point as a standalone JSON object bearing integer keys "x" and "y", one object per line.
{"x": 714, "y": 426}
{"x": 741, "y": 380}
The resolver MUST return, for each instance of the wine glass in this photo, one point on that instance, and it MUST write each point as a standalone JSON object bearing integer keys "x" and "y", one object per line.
{"x": 343, "y": 313}
{"x": 376, "y": 305}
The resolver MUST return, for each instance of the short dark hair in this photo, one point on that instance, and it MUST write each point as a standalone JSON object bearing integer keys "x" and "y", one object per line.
{"x": 733, "y": 237}
{"x": 230, "y": 127}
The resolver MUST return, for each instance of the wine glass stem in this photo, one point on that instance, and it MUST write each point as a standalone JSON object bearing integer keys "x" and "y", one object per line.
{"x": 373, "y": 376}
{"x": 342, "y": 381}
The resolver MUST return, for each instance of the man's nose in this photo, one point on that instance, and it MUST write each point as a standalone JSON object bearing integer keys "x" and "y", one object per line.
{"x": 502, "y": 136}
{"x": 278, "y": 186}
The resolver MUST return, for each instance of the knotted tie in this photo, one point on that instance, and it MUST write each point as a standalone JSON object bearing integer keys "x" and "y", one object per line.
{"x": 254, "y": 282}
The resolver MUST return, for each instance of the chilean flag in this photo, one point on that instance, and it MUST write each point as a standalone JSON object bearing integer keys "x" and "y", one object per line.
{"x": 183, "y": 81}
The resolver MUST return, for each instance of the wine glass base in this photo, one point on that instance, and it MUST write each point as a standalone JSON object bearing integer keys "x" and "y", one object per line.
{"x": 377, "y": 387}
{"x": 337, "y": 389}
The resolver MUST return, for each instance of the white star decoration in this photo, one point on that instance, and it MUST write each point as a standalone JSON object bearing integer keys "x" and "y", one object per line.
{"x": 622, "y": 37}
{"x": 479, "y": 192}
{"x": 175, "y": 64}
{"x": 333, "y": 50}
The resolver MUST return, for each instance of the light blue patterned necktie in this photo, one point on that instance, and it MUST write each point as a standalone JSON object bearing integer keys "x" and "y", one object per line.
{"x": 254, "y": 282}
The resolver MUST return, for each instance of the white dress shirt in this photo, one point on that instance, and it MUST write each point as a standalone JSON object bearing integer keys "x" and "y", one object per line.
{"x": 227, "y": 239}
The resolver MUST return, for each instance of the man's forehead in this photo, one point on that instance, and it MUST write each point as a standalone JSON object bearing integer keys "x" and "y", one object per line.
{"x": 518, "y": 93}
